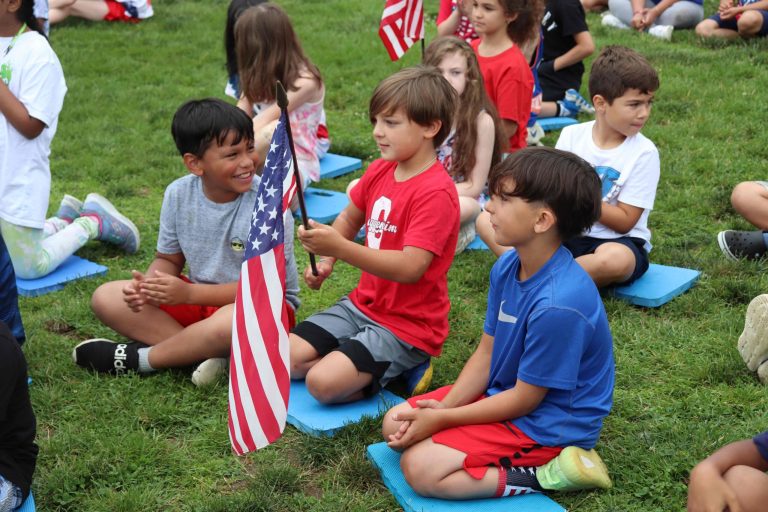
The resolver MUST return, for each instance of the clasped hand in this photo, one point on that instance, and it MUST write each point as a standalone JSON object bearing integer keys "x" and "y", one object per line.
{"x": 644, "y": 19}
{"x": 417, "y": 424}
{"x": 162, "y": 288}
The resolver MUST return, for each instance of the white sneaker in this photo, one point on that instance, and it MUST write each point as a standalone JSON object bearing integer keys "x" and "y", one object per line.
{"x": 209, "y": 370}
{"x": 535, "y": 134}
{"x": 662, "y": 31}
{"x": 609, "y": 20}
{"x": 753, "y": 342}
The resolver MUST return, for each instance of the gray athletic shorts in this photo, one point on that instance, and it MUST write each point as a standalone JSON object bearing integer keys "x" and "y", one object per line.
{"x": 370, "y": 346}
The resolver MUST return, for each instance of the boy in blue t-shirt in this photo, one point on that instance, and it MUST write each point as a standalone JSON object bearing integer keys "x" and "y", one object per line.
{"x": 542, "y": 377}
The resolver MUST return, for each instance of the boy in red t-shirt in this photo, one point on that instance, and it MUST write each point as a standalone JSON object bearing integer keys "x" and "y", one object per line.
{"x": 397, "y": 316}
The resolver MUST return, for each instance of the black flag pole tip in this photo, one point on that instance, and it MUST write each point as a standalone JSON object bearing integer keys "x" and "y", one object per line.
{"x": 281, "y": 96}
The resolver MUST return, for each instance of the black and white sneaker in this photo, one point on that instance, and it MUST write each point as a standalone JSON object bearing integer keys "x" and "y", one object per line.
{"x": 736, "y": 245}
{"x": 106, "y": 356}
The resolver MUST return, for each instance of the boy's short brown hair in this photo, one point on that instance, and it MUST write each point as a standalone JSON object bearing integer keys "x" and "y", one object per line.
{"x": 564, "y": 182}
{"x": 423, "y": 95}
{"x": 618, "y": 69}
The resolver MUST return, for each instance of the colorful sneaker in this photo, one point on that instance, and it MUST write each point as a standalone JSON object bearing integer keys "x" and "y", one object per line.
{"x": 418, "y": 379}
{"x": 70, "y": 208}
{"x": 567, "y": 109}
{"x": 753, "y": 342}
{"x": 738, "y": 245}
{"x": 609, "y": 20}
{"x": 535, "y": 134}
{"x": 467, "y": 233}
{"x": 209, "y": 371}
{"x": 114, "y": 227}
{"x": 106, "y": 356}
{"x": 574, "y": 469}
{"x": 573, "y": 97}
{"x": 663, "y": 32}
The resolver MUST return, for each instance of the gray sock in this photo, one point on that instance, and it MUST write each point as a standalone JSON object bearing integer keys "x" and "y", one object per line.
{"x": 144, "y": 366}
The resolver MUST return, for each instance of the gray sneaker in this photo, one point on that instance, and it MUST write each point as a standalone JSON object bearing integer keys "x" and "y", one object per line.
{"x": 114, "y": 227}
{"x": 209, "y": 371}
{"x": 753, "y": 342}
{"x": 70, "y": 208}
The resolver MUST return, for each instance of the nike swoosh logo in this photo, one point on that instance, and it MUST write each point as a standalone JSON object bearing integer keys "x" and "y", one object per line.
{"x": 503, "y": 317}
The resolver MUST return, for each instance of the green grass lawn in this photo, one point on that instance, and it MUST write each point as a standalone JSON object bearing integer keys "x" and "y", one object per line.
{"x": 159, "y": 443}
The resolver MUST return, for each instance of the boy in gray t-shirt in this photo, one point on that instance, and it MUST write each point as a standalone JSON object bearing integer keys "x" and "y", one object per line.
{"x": 175, "y": 319}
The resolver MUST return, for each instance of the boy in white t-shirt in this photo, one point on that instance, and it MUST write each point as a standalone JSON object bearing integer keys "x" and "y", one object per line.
{"x": 622, "y": 84}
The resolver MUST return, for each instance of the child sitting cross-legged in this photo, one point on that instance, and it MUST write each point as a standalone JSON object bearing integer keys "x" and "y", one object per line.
{"x": 205, "y": 219}
{"x": 397, "y": 315}
{"x": 622, "y": 85}
{"x": 733, "y": 478}
{"x": 542, "y": 376}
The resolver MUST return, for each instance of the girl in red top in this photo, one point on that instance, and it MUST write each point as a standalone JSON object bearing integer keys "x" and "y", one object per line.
{"x": 504, "y": 26}
{"x": 475, "y": 142}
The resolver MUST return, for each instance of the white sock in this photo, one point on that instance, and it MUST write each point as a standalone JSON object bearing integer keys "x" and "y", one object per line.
{"x": 144, "y": 366}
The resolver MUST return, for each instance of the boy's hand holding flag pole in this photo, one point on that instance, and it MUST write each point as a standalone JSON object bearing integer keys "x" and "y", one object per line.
{"x": 259, "y": 378}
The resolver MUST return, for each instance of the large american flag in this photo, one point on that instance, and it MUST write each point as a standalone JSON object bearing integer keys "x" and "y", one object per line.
{"x": 402, "y": 24}
{"x": 259, "y": 379}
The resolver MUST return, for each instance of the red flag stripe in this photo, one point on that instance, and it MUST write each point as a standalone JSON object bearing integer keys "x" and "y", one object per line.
{"x": 274, "y": 334}
{"x": 263, "y": 413}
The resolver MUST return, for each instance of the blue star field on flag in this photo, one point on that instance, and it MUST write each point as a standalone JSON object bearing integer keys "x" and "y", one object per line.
{"x": 267, "y": 219}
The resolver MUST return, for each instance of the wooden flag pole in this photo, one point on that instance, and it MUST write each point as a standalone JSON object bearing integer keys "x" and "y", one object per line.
{"x": 282, "y": 102}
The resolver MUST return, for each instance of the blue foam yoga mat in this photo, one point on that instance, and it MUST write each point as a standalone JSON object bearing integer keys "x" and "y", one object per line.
{"x": 333, "y": 166}
{"x": 324, "y": 205}
{"x": 387, "y": 461}
{"x": 658, "y": 286}
{"x": 549, "y": 124}
{"x": 477, "y": 245}
{"x": 73, "y": 268}
{"x": 313, "y": 418}
{"x": 28, "y": 505}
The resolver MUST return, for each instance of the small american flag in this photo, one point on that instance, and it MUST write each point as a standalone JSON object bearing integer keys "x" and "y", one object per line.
{"x": 259, "y": 380}
{"x": 402, "y": 24}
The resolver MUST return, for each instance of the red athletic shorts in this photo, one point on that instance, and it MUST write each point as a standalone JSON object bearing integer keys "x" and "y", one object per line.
{"x": 499, "y": 444}
{"x": 116, "y": 12}
{"x": 188, "y": 314}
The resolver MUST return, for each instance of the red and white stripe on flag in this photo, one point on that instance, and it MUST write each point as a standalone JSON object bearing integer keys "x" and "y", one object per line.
{"x": 402, "y": 24}
{"x": 259, "y": 379}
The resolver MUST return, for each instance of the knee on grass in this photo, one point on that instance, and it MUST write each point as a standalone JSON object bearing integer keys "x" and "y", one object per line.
{"x": 749, "y": 23}
{"x": 706, "y": 28}
{"x": 747, "y": 195}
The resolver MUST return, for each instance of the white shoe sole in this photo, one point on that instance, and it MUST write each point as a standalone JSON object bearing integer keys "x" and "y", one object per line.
{"x": 753, "y": 342}
{"x": 724, "y": 247}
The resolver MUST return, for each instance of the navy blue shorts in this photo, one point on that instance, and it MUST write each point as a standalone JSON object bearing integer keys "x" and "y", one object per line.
{"x": 731, "y": 24}
{"x": 582, "y": 245}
